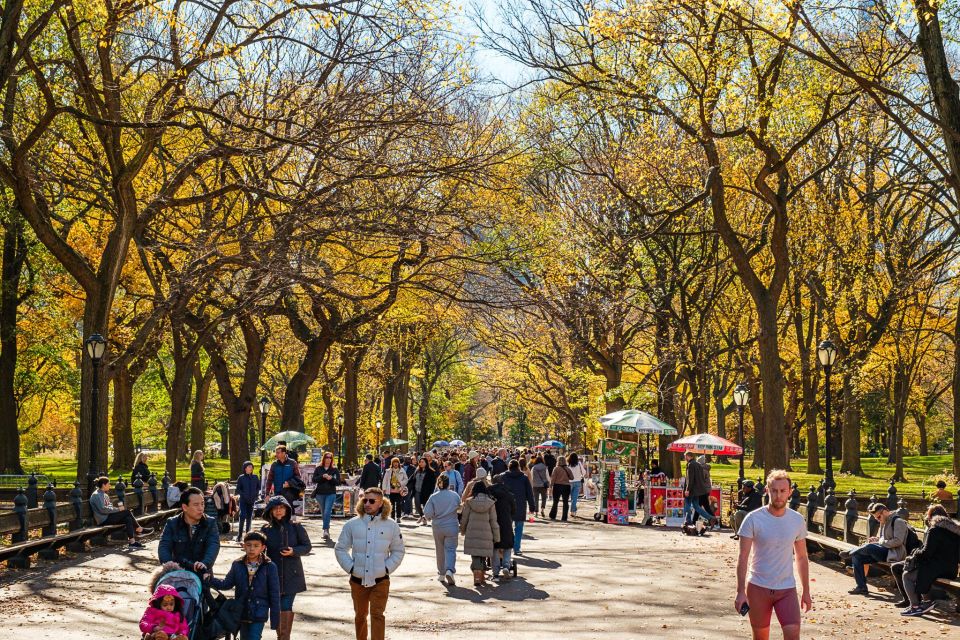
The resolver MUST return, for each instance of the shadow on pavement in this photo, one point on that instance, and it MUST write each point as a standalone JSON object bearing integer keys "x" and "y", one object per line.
{"x": 515, "y": 590}
{"x": 537, "y": 563}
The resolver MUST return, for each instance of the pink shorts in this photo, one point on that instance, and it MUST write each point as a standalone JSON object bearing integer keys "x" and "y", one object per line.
{"x": 764, "y": 601}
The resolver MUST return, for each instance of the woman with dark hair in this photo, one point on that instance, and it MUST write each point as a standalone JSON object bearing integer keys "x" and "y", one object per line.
{"x": 478, "y": 524}
{"x": 394, "y": 485}
{"x": 937, "y": 558}
{"x": 576, "y": 485}
{"x": 561, "y": 478}
{"x": 286, "y": 542}
{"x": 198, "y": 476}
{"x": 425, "y": 481}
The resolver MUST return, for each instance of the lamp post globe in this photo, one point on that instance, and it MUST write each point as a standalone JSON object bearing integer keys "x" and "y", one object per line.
{"x": 827, "y": 355}
{"x": 741, "y": 396}
{"x": 95, "y": 346}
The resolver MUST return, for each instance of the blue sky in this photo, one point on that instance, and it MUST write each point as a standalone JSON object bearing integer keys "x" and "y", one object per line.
{"x": 489, "y": 62}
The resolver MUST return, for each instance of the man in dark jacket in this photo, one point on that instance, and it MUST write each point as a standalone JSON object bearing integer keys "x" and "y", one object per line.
{"x": 506, "y": 507}
{"x": 519, "y": 485}
{"x": 370, "y": 475}
{"x": 750, "y": 501}
{"x": 696, "y": 486}
{"x": 191, "y": 538}
{"x": 284, "y": 477}
{"x": 551, "y": 461}
{"x": 499, "y": 464}
{"x": 248, "y": 489}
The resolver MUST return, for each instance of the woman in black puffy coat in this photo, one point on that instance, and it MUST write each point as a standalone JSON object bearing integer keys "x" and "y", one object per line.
{"x": 286, "y": 542}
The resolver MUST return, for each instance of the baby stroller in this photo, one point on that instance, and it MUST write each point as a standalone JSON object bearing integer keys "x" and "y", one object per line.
{"x": 188, "y": 585}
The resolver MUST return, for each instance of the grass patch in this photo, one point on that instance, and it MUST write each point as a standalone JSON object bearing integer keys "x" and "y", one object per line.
{"x": 916, "y": 469}
{"x": 63, "y": 467}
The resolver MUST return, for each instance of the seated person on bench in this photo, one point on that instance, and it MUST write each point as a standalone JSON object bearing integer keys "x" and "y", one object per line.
{"x": 889, "y": 546}
{"x": 937, "y": 558}
{"x": 105, "y": 513}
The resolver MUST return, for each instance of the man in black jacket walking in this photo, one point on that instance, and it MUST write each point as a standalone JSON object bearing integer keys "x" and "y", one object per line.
{"x": 696, "y": 486}
{"x": 370, "y": 475}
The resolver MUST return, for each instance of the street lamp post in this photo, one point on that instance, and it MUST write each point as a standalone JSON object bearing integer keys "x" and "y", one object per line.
{"x": 95, "y": 346}
{"x": 340, "y": 442}
{"x": 827, "y": 354}
{"x": 741, "y": 395}
{"x": 264, "y": 405}
{"x": 379, "y": 426}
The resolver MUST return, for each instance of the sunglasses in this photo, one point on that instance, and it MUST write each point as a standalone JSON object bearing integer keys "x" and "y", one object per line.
{"x": 371, "y": 500}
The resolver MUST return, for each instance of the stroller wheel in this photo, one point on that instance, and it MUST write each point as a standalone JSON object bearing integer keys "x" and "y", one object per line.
{"x": 597, "y": 517}
{"x": 513, "y": 568}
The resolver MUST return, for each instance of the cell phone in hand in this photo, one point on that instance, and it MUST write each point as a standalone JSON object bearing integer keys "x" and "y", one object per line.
{"x": 744, "y": 609}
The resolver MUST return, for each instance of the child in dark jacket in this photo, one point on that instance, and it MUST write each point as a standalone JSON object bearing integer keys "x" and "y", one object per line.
{"x": 248, "y": 489}
{"x": 256, "y": 583}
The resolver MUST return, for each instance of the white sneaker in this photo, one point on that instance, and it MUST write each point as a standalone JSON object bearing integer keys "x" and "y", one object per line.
{"x": 441, "y": 579}
{"x": 450, "y": 579}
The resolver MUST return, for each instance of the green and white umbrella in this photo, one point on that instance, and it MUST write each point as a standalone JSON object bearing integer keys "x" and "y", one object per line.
{"x": 635, "y": 421}
{"x": 394, "y": 442}
{"x": 293, "y": 439}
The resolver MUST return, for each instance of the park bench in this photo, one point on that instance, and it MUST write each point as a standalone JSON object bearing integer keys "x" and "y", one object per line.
{"x": 852, "y": 530}
{"x": 146, "y": 502}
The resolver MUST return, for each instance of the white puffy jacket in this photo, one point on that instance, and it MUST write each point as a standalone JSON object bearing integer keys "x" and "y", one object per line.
{"x": 370, "y": 547}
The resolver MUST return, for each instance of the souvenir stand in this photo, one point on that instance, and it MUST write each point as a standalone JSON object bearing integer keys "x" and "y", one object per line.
{"x": 617, "y": 500}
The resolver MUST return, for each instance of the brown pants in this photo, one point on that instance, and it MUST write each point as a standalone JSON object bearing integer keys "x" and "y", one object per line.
{"x": 373, "y": 599}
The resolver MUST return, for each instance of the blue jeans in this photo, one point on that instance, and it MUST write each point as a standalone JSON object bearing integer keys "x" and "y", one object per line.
{"x": 326, "y": 503}
{"x": 517, "y": 534}
{"x": 251, "y": 630}
{"x": 246, "y": 516}
{"x": 499, "y": 564}
{"x": 867, "y": 554}
{"x": 691, "y": 504}
{"x": 575, "y": 488}
{"x": 286, "y": 601}
{"x": 445, "y": 542}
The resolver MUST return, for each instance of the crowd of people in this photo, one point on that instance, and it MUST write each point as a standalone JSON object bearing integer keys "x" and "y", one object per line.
{"x": 483, "y": 498}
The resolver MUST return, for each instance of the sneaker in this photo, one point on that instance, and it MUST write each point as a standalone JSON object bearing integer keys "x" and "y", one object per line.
{"x": 734, "y": 537}
{"x": 326, "y": 534}
{"x": 518, "y": 553}
{"x": 927, "y": 606}
{"x": 912, "y": 611}
{"x": 505, "y": 573}
{"x": 450, "y": 578}
{"x": 441, "y": 579}
{"x": 903, "y": 604}
{"x": 858, "y": 591}
{"x": 845, "y": 555}
{"x": 135, "y": 546}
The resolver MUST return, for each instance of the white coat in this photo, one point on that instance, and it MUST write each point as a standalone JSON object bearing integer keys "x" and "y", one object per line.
{"x": 370, "y": 547}
{"x": 388, "y": 474}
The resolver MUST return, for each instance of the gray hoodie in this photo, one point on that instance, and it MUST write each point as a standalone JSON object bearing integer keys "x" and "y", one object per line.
{"x": 442, "y": 509}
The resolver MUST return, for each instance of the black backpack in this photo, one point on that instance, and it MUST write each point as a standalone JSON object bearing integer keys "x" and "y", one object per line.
{"x": 913, "y": 540}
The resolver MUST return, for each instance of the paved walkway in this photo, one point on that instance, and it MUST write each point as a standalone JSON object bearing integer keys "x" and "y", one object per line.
{"x": 578, "y": 580}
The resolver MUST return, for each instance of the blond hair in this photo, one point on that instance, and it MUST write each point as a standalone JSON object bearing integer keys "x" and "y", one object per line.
{"x": 141, "y": 457}
{"x": 777, "y": 474}
{"x": 196, "y": 456}
{"x": 385, "y": 510}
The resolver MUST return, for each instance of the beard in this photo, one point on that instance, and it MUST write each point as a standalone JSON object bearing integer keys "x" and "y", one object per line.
{"x": 778, "y": 504}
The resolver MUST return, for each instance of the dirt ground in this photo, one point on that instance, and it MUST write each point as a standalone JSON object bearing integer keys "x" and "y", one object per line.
{"x": 577, "y": 580}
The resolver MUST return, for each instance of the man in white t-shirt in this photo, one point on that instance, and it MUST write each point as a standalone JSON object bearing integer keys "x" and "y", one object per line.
{"x": 776, "y": 535}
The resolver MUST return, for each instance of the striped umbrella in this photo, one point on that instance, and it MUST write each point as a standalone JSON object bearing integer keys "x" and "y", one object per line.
{"x": 707, "y": 444}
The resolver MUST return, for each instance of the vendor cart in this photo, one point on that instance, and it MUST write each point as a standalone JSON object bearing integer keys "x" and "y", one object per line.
{"x": 617, "y": 499}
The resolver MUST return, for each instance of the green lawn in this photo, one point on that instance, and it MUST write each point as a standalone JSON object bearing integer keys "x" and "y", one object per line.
{"x": 63, "y": 467}
{"x": 916, "y": 469}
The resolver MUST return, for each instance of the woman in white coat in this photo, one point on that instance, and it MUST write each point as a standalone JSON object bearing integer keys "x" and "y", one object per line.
{"x": 394, "y": 485}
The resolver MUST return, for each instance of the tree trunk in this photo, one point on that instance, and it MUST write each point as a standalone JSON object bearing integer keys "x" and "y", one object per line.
{"x": 776, "y": 451}
{"x": 956, "y": 392}
{"x": 352, "y": 360}
{"x": 179, "y": 405}
{"x": 122, "y": 420}
{"x": 14, "y": 257}
{"x": 401, "y": 399}
{"x": 198, "y": 427}
{"x": 850, "y": 462}
{"x": 920, "y": 417}
{"x": 901, "y": 398}
{"x": 298, "y": 389}
{"x": 389, "y": 390}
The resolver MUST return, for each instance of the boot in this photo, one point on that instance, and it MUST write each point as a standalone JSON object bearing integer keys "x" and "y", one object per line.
{"x": 286, "y": 625}
{"x": 478, "y": 578}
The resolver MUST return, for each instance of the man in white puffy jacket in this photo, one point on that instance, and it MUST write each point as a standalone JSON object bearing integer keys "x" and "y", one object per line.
{"x": 369, "y": 549}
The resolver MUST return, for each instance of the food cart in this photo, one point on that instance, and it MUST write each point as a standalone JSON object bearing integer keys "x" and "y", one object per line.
{"x": 617, "y": 498}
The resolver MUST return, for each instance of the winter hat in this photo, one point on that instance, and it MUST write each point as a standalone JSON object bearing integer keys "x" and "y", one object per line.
{"x": 246, "y": 464}
{"x": 473, "y": 454}
{"x": 482, "y": 474}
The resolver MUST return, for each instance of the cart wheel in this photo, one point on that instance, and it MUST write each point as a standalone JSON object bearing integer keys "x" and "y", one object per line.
{"x": 597, "y": 517}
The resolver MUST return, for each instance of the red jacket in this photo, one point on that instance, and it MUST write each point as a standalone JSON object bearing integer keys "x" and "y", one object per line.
{"x": 170, "y": 622}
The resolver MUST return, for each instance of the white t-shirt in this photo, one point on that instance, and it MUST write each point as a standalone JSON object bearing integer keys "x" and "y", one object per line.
{"x": 577, "y": 472}
{"x": 771, "y": 563}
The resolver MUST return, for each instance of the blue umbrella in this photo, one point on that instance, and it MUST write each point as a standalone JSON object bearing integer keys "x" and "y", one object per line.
{"x": 457, "y": 443}
{"x": 551, "y": 444}
{"x": 441, "y": 443}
